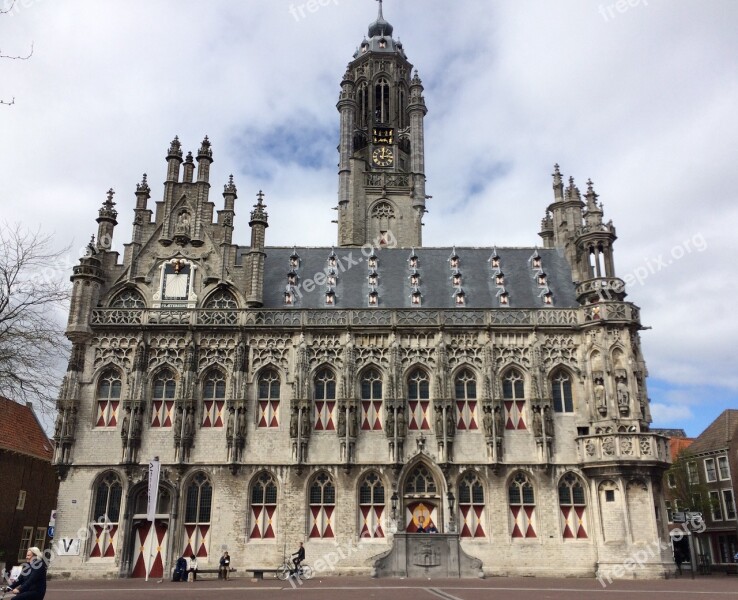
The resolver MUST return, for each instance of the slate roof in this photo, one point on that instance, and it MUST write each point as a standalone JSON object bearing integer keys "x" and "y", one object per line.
{"x": 718, "y": 434}
{"x": 21, "y": 432}
{"x": 394, "y": 289}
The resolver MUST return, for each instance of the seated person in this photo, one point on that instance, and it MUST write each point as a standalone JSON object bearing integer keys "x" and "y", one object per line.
{"x": 421, "y": 526}
{"x": 180, "y": 569}
{"x": 192, "y": 568}
{"x": 432, "y": 528}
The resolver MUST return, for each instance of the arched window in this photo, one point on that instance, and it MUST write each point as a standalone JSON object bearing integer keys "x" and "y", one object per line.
{"x": 322, "y": 507}
{"x": 419, "y": 487}
{"x": 106, "y": 516}
{"x": 269, "y": 390}
{"x": 108, "y": 398}
{"x": 471, "y": 506}
{"x": 573, "y": 507}
{"x": 381, "y": 101}
{"x": 222, "y": 299}
{"x": 213, "y": 396}
{"x": 162, "y": 398}
{"x": 561, "y": 392}
{"x": 197, "y": 516}
{"x": 362, "y": 97}
{"x": 371, "y": 505}
{"x": 420, "y": 481}
{"x": 513, "y": 394}
{"x": 325, "y": 400}
{"x": 371, "y": 400}
{"x": 465, "y": 389}
{"x": 418, "y": 400}
{"x": 522, "y": 507}
{"x": 128, "y": 299}
{"x": 263, "y": 507}
{"x": 401, "y": 106}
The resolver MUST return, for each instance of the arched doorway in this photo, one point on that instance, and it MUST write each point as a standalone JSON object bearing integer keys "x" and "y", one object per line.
{"x": 421, "y": 499}
{"x": 149, "y": 541}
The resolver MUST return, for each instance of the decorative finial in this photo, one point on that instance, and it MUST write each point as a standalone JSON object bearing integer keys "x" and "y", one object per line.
{"x": 189, "y": 158}
{"x": 111, "y": 193}
{"x": 260, "y": 197}
{"x": 556, "y": 169}
{"x": 230, "y": 187}
{"x": 144, "y": 185}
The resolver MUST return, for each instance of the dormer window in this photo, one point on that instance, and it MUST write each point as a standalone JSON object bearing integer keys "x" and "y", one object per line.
{"x": 382, "y": 43}
{"x": 454, "y": 260}
{"x": 504, "y": 299}
{"x": 330, "y": 298}
{"x": 373, "y": 278}
{"x": 542, "y": 279}
{"x": 536, "y": 262}
{"x": 414, "y": 261}
{"x": 460, "y": 298}
{"x": 364, "y": 48}
{"x": 548, "y": 298}
{"x": 288, "y": 298}
{"x": 415, "y": 298}
{"x": 456, "y": 279}
{"x": 415, "y": 280}
{"x": 330, "y": 278}
{"x": 500, "y": 279}
{"x": 373, "y": 298}
{"x": 332, "y": 260}
{"x": 495, "y": 262}
{"x": 292, "y": 278}
{"x": 294, "y": 261}
{"x": 372, "y": 261}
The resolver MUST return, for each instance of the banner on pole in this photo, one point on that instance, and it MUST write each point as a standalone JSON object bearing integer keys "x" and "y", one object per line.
{"x": 154, "y": 469}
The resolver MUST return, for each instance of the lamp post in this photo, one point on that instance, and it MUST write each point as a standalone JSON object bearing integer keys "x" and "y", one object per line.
{"x": 394, "y": 500}
{"x": 451, "y": 519}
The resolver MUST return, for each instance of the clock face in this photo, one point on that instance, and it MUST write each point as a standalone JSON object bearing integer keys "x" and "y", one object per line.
{"x": 383, "y": 157}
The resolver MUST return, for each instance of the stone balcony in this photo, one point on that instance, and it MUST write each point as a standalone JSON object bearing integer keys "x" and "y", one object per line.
{"x": 602, "y": 449}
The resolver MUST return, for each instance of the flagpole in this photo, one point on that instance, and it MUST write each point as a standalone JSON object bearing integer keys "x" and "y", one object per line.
{"x": 154, "y": 469}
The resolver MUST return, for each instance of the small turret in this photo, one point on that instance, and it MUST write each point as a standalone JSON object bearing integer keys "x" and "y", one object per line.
{"x": 259, "y": 223}
{"x": 558, "y": 185}
{"x": 189, "y": 169}
{"x": 174, "y": 160}
{"x": 225, "y": 216}
{"x": 106, "y": 223}
{"x": 204, "y": 160}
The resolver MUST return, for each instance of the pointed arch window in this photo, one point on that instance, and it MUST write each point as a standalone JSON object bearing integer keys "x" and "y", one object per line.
{"x": 198, "y": 508}
{"x": 371, "y": 507}
{"x": 322, "y": 507}
{"x": 513, "y": 394}
{"x": 465, "y": 392}
{"x": 402, "y": 105}
{"x": 108, "y": 398}
{"x": 382, "y": 101}
{"x": 561, "y": 392}
{"x": 222, "y": 300}
{"x": 522, "y": 501}
{"x": 419, "y": 486}
{"x": 263, "y": 507}
{"x": 131, "y": 299}
{"x": 325, "y": 400}
{"x": 573, "y": 506}
{"x": 269, "y": 396}
{"x": 371, "y": 400}
{"x": 213, "y": 396}
{"x": 162, "y": 398}
{"x": 106, "y": 516}
{"x": 471, "y": 506}
{"x": 362, "y": 97}
{"x": 420, "y": 481}
{"x": 418, "y": 400}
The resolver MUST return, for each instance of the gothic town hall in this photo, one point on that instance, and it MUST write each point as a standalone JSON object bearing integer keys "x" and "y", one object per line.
{"x": 349, "y": 395}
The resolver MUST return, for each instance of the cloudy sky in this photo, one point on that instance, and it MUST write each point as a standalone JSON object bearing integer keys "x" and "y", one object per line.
{"x": 641, "y": 96}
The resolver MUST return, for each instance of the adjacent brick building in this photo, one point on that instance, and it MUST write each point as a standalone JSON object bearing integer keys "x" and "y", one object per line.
{"x": 28, "y": 482}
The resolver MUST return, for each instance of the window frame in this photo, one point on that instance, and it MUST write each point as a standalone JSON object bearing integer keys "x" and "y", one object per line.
{"x": 710, "y": 462}
{"x": 716, "y": 507}
{"x": 21, "y": 503}
{"x": 723, "y": 461}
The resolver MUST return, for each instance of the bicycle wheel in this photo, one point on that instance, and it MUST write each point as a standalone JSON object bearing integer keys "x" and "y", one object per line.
{"x": 307, "y": 571}
{"x": 284, "y": 572}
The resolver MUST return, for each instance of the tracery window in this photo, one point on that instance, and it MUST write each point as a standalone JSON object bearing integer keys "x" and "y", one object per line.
{"x": 418, "y": 400}
{"x": 561, "y": 392}
{"x": 324, "y": 400}
{"x": 108, "y": 398}
{"x": 420, "y": 481}
{"x": 471, "y": 506}
{"x": 371, "y": 506}
{"x": 371, "y": 400}
{"x": 522, "y": 507}
{"x": 465, "y": 392}
{"x": 322, "y": 507}
{"x": 381, "y": 101}
{"x": 128, "y": 299}
{"x": 198, "y": 510}
{"x": 269, "y": 396}
{"x": 222, "y": 299}
{"x": 263, "y": 507}
{"x": 573, "y": 507}
{"x": 106, "y": 516}
{"x": 162, "y": 398}
{"x": 513, "y": 394}
{"x": 213, "y": 396}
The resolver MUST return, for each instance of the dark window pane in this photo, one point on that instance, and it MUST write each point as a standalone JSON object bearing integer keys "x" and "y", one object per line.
{"x": 519, "y": 390}
{"x": 514, "y": 494}
{"x": 206, "y": 501}
{"x": 528, "y": 497}
{"x": 191, "y": 507}
{"x": 578, "y": 491}
{"x": 379, "y": 494}
{"x": 115, "y": 391}
{"x": 377, "y": 389}
{"x": 557, "y": 396}
{"x": 564, "y": 494}
{"x": 270, "y": 497}
{"x": 507, "y": 389}
{"x": 424, "y": 390}
{"x": 331, "y": 391}
{"x": 477, "y": 493}
{"x": 116, "y": 492}
{"x": 101, "y": 502}
{"x": 329, "y": 494}
{"x": 257, "y": 494}
{"x": 365, "y": 391}
{"x": 464, "y": 494}
{"x": 365, "y": 494}
{"x": 412, "y": 390}
{"x": 316, "y": 496}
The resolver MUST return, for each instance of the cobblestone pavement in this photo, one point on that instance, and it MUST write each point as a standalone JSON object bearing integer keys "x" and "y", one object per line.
{"x": 359, "y": 588}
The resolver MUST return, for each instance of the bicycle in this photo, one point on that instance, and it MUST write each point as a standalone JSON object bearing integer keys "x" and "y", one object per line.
{"x": 287, "y": 570}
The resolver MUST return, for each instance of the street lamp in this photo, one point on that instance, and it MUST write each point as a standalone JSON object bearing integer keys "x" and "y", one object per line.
{"x": 451, "y": 519}
{"x": 394, "y": 500}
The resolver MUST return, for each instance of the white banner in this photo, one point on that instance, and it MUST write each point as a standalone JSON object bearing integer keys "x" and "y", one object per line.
{"x": 154, "y": 468}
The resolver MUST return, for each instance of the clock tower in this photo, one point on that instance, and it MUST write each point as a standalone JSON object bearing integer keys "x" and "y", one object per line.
{"x": 381, "y": 193}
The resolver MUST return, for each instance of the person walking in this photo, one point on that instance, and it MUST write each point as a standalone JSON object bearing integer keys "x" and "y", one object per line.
{"x": 31, "y": 585}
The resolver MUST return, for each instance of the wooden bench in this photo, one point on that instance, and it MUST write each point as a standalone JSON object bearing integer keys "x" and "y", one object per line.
{"x": 259, "y": 573}
{"x": 215, "y": 571}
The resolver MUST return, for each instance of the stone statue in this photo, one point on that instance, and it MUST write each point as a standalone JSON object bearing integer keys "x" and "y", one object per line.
{"x": 305, "y": 423}
{"x": 488, "y": 422}
{"x": 450, "y": 422}
{"x": 548, "y": 419}
{"x": 623, "y": 395}
{"x": 439, "y": 420}
{"x": 341, "y": 421}
{"x": 537, "y": 422}
{"x": 401, "y": 422}
{"x": 183, "y": 224}
{"x": 499, "y": 422}
{"x": 293, "y": 423}
{"x": 389, "y": 424}
{"x": 353, "y": 424}
{"x": 71, "y": 422}
{"x": 137, "y": 418}
{"x": 241, "y": 422}
{"x": 599, "y": 392}
{"x": 229, "y": 425}
{"x": 58, "y": 425}
{"x": 189, "y": 424}
{"x": 124, "y": 425}
{"x": 178, "y": 421}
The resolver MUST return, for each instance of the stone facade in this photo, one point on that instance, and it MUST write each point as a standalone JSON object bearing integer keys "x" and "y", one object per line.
{"x": 338, "y": 397}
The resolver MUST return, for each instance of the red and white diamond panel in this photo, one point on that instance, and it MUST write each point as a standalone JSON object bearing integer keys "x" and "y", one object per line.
{"x": 514, "y": 414}
{"x": 324, "y": 411}
{"x": 321, "y": 526}
{"x": 268, "y": 413}
{"x": 263, "y": 519}
{"x": 472, "y": 519}
{"x": 523, "y": 521}
{"x": 371, "y": 522}
{"x": 162, "y": 413}
{"x": 106, "y": 539}
{"x": 107, "y": 413}
{"x": 467, "y": 415}
{"x": 420, "y": 512}
{"x": 370, "y": 415}
{"x": 151, "y": 552}
{"x": 213, "y": 414}
{"x": 573, "y": 522}
{"x": 197, "y": 540}
{"x": 418, "y": 417}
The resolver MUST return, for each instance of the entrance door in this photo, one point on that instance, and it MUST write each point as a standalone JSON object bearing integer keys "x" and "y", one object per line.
{"x": 150, "y": 547}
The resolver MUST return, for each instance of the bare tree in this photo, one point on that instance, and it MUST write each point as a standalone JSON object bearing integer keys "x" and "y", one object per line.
{"x": 33, "y": 296}
{"x": 10, "y": 56}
